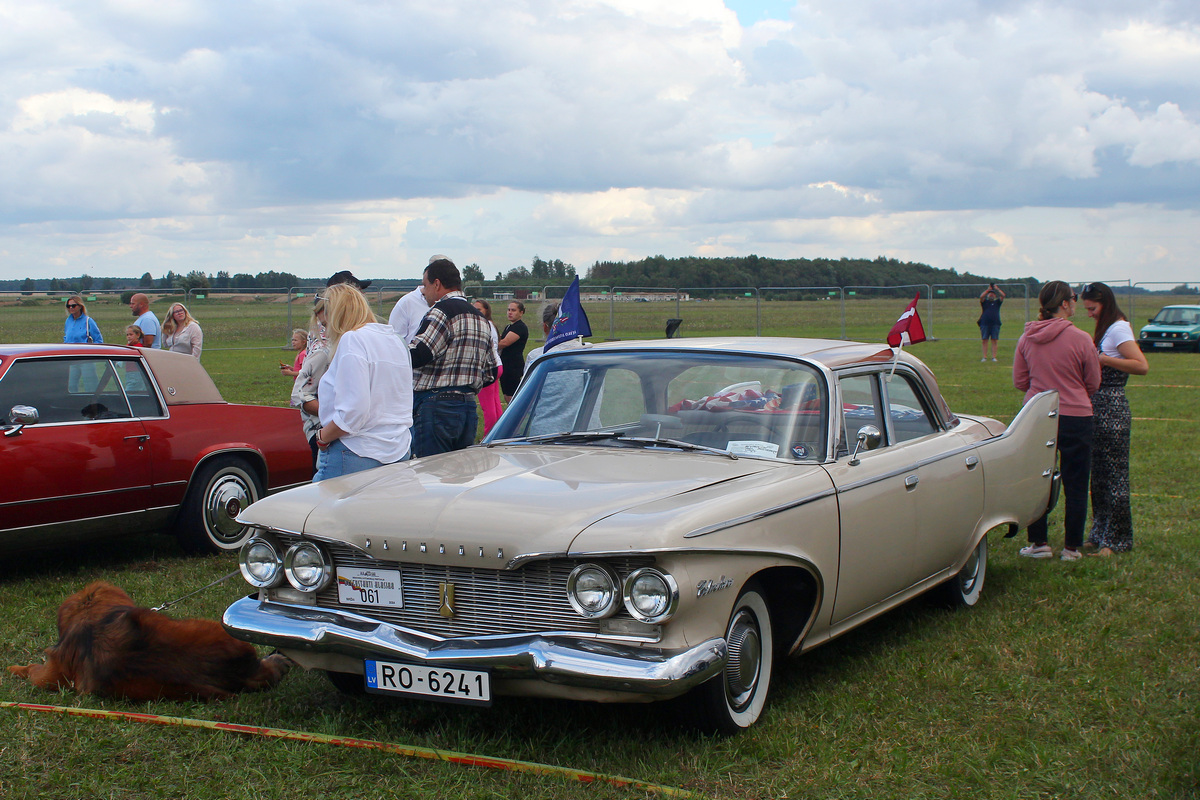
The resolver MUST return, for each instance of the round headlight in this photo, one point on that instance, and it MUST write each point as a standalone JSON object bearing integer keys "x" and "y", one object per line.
{"x": 650, "y": 595}
{"x": 306, "y": 567}
{"x": 260, "y": 563}
{"x": 592, "y": 590}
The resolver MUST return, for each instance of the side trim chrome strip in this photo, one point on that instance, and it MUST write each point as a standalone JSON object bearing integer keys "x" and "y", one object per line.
{"x": 767, "y": 512}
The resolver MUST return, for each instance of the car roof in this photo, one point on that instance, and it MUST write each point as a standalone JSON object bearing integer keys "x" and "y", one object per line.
{"x": 181, "y": 378}
{"x": 830, "y": 353}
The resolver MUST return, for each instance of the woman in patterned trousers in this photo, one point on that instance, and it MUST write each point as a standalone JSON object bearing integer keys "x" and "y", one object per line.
{"x": 1120, "y": 357}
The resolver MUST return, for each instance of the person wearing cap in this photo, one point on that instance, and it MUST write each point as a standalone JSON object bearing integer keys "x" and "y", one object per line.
{"x": 346, "y": 276}
{"x": 452, "y": 359}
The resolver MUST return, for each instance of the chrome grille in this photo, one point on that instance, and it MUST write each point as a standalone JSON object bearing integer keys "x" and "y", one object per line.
{"x": 525, "y": 600}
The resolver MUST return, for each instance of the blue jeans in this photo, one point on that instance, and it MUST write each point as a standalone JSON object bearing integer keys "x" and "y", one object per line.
{"x": 337, "y": 460}
{"x": 443, "y": 421}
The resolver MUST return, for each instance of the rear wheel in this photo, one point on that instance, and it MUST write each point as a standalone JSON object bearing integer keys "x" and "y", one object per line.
{"x": 220, "y": 489}
{"x": 735, "y": 699}
{"x": 965, "y": 588}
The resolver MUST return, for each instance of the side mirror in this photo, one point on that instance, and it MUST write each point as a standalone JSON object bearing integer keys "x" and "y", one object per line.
{"x": 868, "y": 439}
{"x": 21, "y": 416}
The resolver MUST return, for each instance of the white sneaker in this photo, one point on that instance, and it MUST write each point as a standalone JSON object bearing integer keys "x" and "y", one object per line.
{"x": 1037, "y": 551}
{"x": 982, "y": 360}
{"x": 993, "y": 361}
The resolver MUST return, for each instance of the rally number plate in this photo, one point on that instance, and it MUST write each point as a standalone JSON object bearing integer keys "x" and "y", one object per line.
{"x": 434, "y": 683}
{"x": 369, "y": 587}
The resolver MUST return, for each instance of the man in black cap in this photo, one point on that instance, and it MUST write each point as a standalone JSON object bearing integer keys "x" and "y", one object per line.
{"x": 346, "y": 276}
{"x": 452, "y": 359}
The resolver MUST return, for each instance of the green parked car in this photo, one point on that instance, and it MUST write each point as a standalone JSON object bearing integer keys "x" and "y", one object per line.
{"x": 1172, "y": 328}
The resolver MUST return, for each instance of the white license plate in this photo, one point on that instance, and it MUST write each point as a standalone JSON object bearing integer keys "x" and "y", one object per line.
{"x": 435, "y": 683}
{"x": 1162, "y": 344}
{"x": 369, "y": 587}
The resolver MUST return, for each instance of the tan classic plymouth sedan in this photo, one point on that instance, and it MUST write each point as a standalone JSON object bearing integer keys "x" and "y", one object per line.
{"x": 648, "y": 520}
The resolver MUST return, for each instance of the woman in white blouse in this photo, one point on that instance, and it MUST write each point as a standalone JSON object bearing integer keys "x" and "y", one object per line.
{"x": 366, "y": 393}
{"x": 181, "y": 333}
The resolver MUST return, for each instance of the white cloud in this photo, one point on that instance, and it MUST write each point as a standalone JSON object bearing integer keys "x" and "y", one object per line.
{"x": 255, "y": 135}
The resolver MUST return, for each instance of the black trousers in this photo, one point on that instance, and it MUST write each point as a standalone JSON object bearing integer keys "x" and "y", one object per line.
{"x": 1075, "y": 463}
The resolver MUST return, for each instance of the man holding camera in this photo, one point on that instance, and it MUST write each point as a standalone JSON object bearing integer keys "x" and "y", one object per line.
{"x": 990, "y": 301}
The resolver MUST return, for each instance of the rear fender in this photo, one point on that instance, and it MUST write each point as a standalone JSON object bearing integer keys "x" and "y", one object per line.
{"x": 1019, "y": 469}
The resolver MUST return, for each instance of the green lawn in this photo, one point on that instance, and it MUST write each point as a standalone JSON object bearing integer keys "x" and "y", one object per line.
{"x": 1067, "y": 680}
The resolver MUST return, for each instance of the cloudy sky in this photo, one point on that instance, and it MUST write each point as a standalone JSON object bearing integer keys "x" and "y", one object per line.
{"x": 1008, "y": 138}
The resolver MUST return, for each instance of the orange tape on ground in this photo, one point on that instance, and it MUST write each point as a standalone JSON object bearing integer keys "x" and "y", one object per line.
{"x": 343, "y": 741}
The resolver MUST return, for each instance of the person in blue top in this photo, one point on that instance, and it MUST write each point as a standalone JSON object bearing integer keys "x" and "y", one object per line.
{"x": 139, "y": 306}
{"x": 79, "y": 328}
{"x": 990, "y": 301}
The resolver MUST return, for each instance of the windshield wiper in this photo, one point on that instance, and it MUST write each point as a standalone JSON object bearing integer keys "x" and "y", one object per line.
{"x": 563, "y": 436}
{"x": 682, "y": 445}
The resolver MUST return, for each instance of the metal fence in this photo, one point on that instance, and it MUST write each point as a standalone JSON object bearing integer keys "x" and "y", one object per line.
{"x": 948, "y": 311}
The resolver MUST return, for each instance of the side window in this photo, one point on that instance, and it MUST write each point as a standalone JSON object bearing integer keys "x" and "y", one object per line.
{"x": 860, "y": 406}
{"x": 64, "y": 390}
{"x": 907, "y": 414}
{"x": 138, "y": 389}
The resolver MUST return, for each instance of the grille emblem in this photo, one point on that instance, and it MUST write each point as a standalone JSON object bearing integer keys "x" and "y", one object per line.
{"x": 446, "y": 600}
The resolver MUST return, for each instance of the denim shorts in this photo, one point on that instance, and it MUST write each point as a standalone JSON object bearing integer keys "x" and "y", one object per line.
{"x": 989, "y": 331}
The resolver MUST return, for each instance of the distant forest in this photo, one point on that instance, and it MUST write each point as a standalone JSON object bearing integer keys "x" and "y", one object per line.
{"x": 653, "y": 272}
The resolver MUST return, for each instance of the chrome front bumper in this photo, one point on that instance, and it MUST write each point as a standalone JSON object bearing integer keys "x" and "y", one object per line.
{"x": 563, "y": 660}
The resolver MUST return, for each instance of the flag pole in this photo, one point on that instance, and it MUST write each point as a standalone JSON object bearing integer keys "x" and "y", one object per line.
{"x": 895, "y": 359}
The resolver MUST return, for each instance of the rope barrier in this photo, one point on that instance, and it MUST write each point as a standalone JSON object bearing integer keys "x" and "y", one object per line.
{"x": 448, "y": 756}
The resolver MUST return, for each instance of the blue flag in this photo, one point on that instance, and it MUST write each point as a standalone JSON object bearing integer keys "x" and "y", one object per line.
{"x": 571, "y": 322}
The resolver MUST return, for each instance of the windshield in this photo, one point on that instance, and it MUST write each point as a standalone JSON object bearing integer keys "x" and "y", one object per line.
{"x": 1178, "y": 316}
{"x": 747, "y": 405}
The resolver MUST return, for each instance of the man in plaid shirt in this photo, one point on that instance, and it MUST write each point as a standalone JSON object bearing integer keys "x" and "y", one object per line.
{"x": 452, "y": 359}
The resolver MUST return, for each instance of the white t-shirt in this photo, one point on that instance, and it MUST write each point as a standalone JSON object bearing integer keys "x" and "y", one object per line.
{"x": 1117, "y": 334}
{"x": 407, "y": 314}
{"x": 367, "y": 391}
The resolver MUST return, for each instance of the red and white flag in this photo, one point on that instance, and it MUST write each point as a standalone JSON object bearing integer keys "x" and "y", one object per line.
{"x": 908, "y": 329}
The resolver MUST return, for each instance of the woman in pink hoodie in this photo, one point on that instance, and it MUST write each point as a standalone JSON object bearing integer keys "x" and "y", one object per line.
{"x": 1054, "y": 354}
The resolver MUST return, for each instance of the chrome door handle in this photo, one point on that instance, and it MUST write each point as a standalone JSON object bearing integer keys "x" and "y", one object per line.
{"x": 911, "y": 482}
{"x": 972, "y": 462}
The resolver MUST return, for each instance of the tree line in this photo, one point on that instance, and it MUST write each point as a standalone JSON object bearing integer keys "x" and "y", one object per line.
{"x": 688, "y": 272}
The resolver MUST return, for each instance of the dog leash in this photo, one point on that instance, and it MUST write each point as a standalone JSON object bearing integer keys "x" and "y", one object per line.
{"x": 167, "y": 605}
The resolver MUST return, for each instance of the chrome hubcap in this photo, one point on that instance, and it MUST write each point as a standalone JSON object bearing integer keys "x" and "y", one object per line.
{"x": 226, "y": 499}
{"x": 745, "y": 659}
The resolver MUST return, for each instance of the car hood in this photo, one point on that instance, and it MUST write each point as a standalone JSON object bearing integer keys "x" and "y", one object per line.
{"x": 481, "y": 505}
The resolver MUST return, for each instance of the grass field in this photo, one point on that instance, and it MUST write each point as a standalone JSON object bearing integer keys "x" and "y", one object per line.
{"x": 1067, "y": 680}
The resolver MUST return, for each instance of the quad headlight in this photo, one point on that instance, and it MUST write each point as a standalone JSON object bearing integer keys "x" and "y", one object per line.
{"x": 593, "y": 591}
{"x": 260, "y": 562}
{"x": 650, "y": 596}
{"x": 306, "y": 567}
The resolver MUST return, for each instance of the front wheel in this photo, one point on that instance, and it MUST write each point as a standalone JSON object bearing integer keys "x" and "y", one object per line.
{"x": 734, "y": 700}
{"x": 964, "y": 589}
{"x": 220, "y": 489}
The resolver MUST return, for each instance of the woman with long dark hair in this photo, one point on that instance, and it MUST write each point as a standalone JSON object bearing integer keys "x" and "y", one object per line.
{"x": 1120, "y": 357}
{"x": 1054, "y": 354}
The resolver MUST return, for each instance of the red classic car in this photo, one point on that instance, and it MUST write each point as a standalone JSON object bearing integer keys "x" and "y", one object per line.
{"x": 101, "y": 440}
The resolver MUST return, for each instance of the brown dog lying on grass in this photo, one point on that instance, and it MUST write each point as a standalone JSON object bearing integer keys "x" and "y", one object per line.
{"x": 108, "y": 646}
